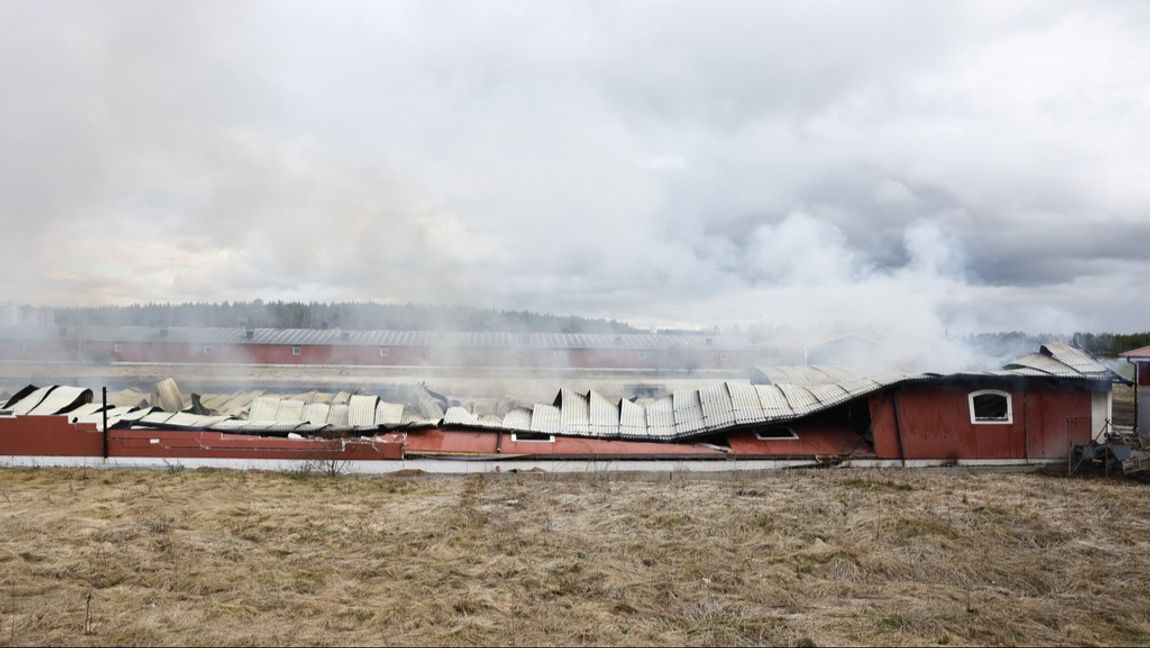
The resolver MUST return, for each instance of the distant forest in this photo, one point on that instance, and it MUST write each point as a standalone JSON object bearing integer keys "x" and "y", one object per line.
{"x": 1099, "y": 344}
{"x": 351, "y": 316}
{"x": 1110, "y": 344}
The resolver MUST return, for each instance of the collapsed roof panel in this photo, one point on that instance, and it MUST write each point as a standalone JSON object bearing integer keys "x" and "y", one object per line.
{"x": 518, "y": 418}
{"x": 715, "y": 402}
{"x": 745, "y": 403}
{"x": 25, "y": 404}
{"x": 604, "y": 416}
{"x": 290, "y": 410}
{"x": 575, "y": 412}
{"x": 632, "y": 420}
{"x": 661, "y": 418}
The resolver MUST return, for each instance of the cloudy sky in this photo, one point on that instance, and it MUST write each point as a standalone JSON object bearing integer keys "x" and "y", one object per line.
{"x": 839, "y": 165}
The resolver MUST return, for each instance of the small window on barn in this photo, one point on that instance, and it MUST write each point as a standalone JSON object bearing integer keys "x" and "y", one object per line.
{"x": 117, "y": 348}
{"x": 534, "y": 437}
{"x": 642, "y": 355}
{"x": 776, "y": 433}
{"x": 723, "y": 356}
{"x": 296, "y": 350}
{"x": 558, "y": 354}
{"x": 990, "y": 406}
{"x": 207, "y": 348}
{"x": 383, "y": 352}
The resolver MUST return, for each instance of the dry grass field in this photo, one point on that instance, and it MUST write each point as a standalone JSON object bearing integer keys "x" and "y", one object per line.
{"x": 800, "y": 558}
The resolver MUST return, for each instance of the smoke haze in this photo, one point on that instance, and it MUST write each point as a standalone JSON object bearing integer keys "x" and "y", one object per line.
{"x": 907, "y": 171}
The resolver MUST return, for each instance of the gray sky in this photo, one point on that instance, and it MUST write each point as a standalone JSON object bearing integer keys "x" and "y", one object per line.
{"x": 895, "y": 166}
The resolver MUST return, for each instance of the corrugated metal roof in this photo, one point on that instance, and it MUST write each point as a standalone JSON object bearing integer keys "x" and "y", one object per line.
{"x": 688, "y": 412}
{"x": 546, "y": 419}
{"x": 264, "y": 408}
{"x": 773, "y": 402}
{"x": 806, "y": 374}
{"x": 604, "y": 416}
{"x": 459, "y": 416}
{"x": 361, "y": 411}
{"x": 62, "y": 400}
{"x": 661, "y": 418}
{"x": 338, "y": 416}
{"x": 519, "y": 418}
{"x": 745, "y": 403}
{"x": 30, "y": 401}
{"x": 1043, "y": 364}
{"x": 632, "y": 420}
{"x": 1141, "y": 352}
{"x": 575, "y": 412}
{"x": 718, "y": 412}
{"x": 316, "y": 413}
{"x": 389, "y": 413}
{"x": 1077, "y": 359}
{"x": 290, "y": 410}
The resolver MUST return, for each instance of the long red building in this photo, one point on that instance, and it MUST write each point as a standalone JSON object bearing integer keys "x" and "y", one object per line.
{"x": 193, "y": 345}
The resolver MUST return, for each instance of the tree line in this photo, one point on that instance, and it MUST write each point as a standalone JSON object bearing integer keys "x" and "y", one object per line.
{"x": 341, "y": 315}
{"x": 1098, "y": 344}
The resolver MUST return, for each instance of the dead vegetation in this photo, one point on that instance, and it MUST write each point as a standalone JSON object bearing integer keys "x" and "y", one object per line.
{"x": 822, "y": 557}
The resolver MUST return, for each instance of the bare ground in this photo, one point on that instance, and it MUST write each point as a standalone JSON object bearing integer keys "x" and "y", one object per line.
{"x": 822, "y": 557}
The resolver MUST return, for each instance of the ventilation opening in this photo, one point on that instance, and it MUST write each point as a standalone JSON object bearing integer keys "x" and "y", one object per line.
{"x": 296, "y": 350}
{"x": 776, "y": 433}
{"x": 536, "y": 437}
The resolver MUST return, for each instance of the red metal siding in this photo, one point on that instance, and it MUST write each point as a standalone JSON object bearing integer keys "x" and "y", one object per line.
{"x": 62, "y": 350}
{"x": 139, "y": 443}
{"x": 935, "y": 423}
{"x": 49, "y": 436}
{"x": 1055, "y": 421}
{"x": 815, "y": 439}
{"x": 434, "y": 441}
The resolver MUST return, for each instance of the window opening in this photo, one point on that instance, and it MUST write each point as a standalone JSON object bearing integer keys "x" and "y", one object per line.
{"x": 776, "y": 433}
{"x": 990, "y": 406}
{"x": 536, "y": 437}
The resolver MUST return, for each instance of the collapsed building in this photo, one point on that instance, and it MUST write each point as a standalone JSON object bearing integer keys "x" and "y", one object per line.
{"x": 1033, "y": 410}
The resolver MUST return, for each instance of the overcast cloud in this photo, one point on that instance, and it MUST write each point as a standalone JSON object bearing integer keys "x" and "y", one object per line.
{"x": 882, "y": 166}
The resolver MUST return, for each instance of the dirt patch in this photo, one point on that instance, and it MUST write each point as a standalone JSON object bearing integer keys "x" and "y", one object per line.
{"x": 800, "y": 558}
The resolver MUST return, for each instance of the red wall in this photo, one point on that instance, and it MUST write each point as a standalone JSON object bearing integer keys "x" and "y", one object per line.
{"x": 815, "y": 439}
{"x": 1143, "y": 373}
{"x": 432, "y": 441}
{"x": 419, "y": 356}
{"x": 49, "y": 436}
{"x": 935, "y": 423}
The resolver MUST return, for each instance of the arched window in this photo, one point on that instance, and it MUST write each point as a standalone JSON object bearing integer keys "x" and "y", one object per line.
{"x": 990, "y": 406}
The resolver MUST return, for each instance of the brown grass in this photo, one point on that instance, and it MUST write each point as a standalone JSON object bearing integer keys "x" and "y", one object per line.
{"x": 824, "y": 557}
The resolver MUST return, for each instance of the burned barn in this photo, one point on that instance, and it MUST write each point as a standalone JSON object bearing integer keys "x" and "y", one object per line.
{"x": 1033, "y": 410}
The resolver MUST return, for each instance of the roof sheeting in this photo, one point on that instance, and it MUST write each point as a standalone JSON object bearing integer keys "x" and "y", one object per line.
{"x": 61, "y": 400}
{"x": 693, "y": 413}
{"x": 1139, "y": 353}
